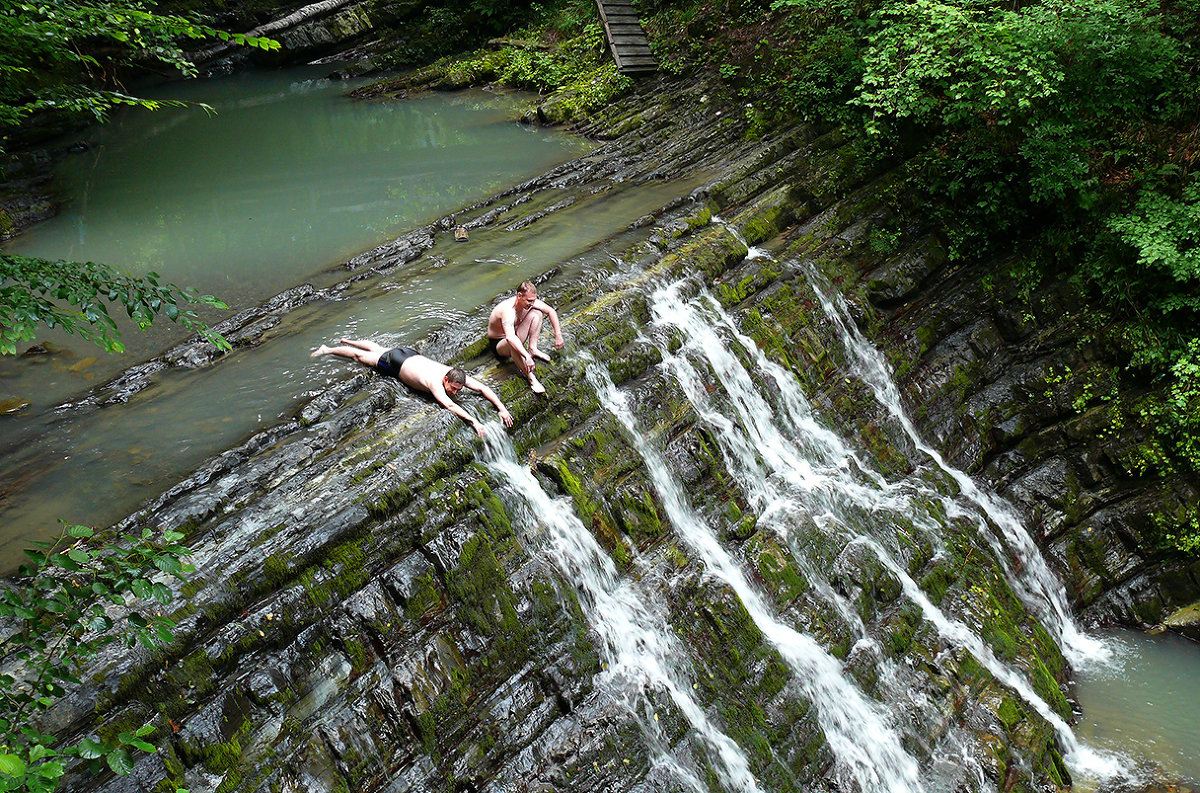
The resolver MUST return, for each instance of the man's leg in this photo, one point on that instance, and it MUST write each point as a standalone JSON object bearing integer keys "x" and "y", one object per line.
{"x": 505, "y": 349}
{"x": 532, "y": 329}
{"x": 364, "y": 344}
{"x": 367, "y": 356}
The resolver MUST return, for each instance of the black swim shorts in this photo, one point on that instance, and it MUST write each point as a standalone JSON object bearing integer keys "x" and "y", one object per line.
{"x": 391, "y": 361}
{"x": 493, "y": 344}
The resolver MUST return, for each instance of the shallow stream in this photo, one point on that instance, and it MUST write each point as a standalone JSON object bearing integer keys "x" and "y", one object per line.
{"x": 218, "y": 216}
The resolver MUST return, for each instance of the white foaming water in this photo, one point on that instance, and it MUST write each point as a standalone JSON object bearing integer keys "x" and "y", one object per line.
{"x": 857, "y": 732}
{"x": 752, "y": 251}
{"x": 1033, "y": 580}
{"x": 958, "y": 633}
{"x": 836, "y": 495}
{"x": 760, "y": 478}
{"x": 1079, "y": 757}
{"x": 638, "y": 645}
{"x": 799, "y": 467}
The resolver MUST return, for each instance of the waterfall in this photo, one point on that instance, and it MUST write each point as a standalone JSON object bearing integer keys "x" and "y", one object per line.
{"x": 857, "y": 732}
{"x": 1033, "y": 580}
{"x": 792, "y": 460}
{"x": 638, "y": 646}
{"x": 785, "y": 466}
{"x": 752, "y": 251}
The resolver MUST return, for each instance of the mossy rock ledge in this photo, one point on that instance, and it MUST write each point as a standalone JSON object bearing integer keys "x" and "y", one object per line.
{"x": 373, "y": 611}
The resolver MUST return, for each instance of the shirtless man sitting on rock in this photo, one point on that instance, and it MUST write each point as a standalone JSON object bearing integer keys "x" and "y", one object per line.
{"x": 513, "y": 330}
{"x": 419, "y": 373}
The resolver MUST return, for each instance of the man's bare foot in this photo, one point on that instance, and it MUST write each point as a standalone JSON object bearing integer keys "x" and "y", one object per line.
{"x": 322, "y": 350}
{"x": 534, "y": 385}
{"x": 539, "y": 354}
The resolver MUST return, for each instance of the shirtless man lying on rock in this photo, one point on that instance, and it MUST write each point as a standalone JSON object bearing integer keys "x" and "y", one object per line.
{"x": 419, "y": 373}
{"x": 513, "y": 329}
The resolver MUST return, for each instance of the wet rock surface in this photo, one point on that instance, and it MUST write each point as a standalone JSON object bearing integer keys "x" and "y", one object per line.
{"x": 1011, "y": 393}
{"x": 374, "y": 608}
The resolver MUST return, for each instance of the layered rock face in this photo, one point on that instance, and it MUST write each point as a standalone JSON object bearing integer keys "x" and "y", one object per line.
{"x": 712, "y": 557}
{"x": 1019, "y": 389}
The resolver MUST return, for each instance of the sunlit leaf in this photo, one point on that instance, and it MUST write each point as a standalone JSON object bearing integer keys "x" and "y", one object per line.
{"x": 89, "y": 749}
{"x": 120, "y": 761}
{"x": 11, "y": 765}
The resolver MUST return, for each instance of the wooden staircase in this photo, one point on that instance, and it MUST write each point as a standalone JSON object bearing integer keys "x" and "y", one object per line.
{"x": 626, "y": 38}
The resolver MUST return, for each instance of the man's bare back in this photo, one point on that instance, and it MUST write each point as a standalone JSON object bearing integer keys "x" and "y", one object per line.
{"x": 419, "y": 373}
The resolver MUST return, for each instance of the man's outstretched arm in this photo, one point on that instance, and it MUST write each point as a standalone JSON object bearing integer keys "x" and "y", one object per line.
{"x": 490, "y": 395}
{"x": 443, "y": 399}
{"x": 552, "y": 315}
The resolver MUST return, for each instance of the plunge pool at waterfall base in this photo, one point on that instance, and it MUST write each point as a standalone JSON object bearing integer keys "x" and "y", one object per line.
{"x": 1145, "y": 704}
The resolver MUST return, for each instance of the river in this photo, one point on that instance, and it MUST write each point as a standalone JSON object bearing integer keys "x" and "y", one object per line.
{"x": 284, "y": 182}
{"x": 284, "y": 177}
{"x": 1145, "y": 703}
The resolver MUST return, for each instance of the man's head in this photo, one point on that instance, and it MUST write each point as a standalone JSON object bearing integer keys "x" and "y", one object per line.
{"x": 526, "y": 294}
{"x": 454, "y": 381}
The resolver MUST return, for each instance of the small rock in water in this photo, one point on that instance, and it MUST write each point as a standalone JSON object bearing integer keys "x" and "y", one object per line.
{"x": 12, "y": 405}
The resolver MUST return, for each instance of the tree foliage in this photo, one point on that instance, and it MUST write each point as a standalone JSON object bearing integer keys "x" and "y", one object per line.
{"x": 1163, "y": 232}
{"x": 67, "y": 56}
{"x": 1029, "y": 110}
{"x": 1063, "y": 133}
{"x": 67, "y": 603}
{"x": 75, "y": 297}
{"x": 443, "y": 27}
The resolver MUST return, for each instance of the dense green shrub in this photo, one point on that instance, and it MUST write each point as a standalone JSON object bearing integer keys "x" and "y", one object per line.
{"x": 1061, "y": 133}
{"x": 564, "y": 54}
{"x": 452, "y": 26}
{"x": 58, "y": 613}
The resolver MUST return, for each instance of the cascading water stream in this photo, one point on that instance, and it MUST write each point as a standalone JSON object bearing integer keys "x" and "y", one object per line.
{"x": 638, "y": 646}
{"x": 752, "y": 251}
{"x": 800, "y": 467}
{"x": 1033, "y": 580}
{"x": 835, "y": 495}
{"x": 857, "y": 732}
{"x": 1079, "y": 757}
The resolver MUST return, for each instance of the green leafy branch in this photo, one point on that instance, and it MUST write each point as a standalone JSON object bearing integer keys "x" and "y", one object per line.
{"x": 66, "y": 55}
{"x": 61, "y": 609}
{"x": 76, "y": 298}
